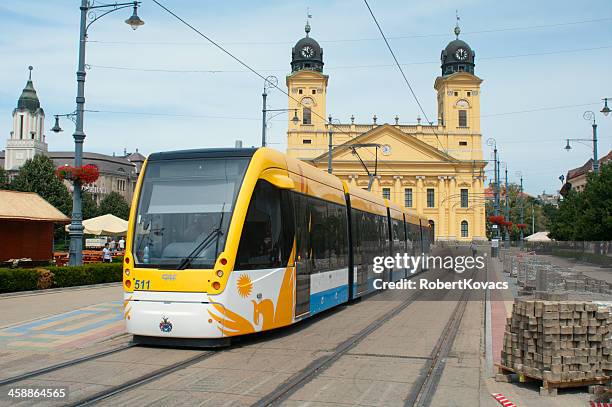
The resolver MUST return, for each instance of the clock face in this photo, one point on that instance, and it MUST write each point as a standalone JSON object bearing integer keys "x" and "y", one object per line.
{"x": 461, "y": 54}
{"x": 307, "y": 51}
{"x": 386, "y": 149}
{"x": 307, "y": 101}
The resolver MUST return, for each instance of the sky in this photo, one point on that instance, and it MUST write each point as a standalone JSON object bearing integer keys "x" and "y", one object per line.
{"x": 163, "y": 87}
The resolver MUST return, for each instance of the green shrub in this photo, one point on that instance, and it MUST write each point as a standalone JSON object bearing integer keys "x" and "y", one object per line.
{"x": 96, "y": 273}
{"x": 18, "y": 279}
{"x": 12, "y": 280}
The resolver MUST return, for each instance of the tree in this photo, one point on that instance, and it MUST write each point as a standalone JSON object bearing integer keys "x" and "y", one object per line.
{"x": 38, "y": 175}
{"x": 115, "y": 204}
{"x": 89, "y": 206}
{"x": 595, "y": 222}
{"x": 586, "y": 215}
{"x": 4, "y": 181}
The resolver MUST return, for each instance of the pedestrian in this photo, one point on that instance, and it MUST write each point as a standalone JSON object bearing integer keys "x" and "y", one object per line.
{"x": 113, "y": 245}
{"x": 122, "y": 244}
{"x": 474, "y": 248}
{"x": 106, "y": 254}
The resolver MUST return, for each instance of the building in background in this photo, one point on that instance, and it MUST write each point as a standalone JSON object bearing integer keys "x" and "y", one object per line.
{"x": 576, "y": 178}
{"x": 549, "y": 199}
{"x": 435, "y": 169}
{"x": 117, "y": 173}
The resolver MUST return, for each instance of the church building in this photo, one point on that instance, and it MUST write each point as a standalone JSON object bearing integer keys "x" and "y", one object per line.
{"x": 437, "y": 170}
{"x": 117, "y": 173}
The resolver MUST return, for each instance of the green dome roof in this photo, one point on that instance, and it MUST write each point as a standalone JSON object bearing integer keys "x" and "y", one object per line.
{"x": 28, "y": 99}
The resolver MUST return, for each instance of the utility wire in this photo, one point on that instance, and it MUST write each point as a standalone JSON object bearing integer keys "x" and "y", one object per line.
{"x": 398, "y": 37}
{"x": 213, "y": 71}
{"x": 403, "y": 74}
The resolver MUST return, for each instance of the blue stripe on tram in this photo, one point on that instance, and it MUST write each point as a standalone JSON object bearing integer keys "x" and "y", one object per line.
{"x": 328, "y": 298}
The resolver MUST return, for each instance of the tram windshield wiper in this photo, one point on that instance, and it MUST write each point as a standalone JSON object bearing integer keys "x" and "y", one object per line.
{"x": 215, "y": 233}
{"x": 211, "y": 237}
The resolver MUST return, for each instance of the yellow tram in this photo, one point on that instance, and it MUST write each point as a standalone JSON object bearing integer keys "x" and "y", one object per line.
{"x": 228, "y": 242}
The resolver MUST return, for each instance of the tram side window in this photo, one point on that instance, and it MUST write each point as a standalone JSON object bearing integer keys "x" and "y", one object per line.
{"x": 302, "y": 226}
{"x": 267, "y": 234}
{"x": 328, "y": 235}
{"x": 399, "y": 240}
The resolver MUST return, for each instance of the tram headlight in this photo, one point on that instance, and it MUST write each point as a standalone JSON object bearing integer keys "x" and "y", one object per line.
{"x": 220, "y": 273}
{"x": 127, "y": 272}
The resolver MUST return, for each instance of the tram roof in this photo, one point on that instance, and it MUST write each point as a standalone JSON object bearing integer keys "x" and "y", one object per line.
{"x": 203, "y": 153}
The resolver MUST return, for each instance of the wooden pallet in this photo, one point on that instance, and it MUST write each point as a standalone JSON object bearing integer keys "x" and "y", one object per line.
{"x": 551, "y": 387}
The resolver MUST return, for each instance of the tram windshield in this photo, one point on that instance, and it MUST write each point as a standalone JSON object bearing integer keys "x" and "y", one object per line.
{"x": 184, "y": 211}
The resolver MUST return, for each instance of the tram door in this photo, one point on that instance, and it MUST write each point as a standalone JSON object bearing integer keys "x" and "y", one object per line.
{"x": 303, "y": 263}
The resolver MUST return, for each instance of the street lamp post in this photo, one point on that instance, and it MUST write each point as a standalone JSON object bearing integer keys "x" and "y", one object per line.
{"x": 520, "y": 174}
{"x": 495, "y": 238}
{"x": 506, "y": 208}
{"x": 590, "y": 116}
{"x": 87, "y": 9}
{"x": 330, "y": 142}
{"x": 269, "y": 83}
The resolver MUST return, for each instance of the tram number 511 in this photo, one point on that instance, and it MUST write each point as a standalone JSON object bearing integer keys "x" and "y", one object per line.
{"x": 142, "y": 284}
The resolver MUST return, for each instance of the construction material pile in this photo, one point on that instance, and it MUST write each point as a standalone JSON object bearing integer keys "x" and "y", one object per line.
{"x": 558, "y": 341}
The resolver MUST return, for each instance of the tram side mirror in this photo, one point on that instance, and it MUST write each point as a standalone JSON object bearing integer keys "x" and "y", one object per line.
{"x": 278, "y": 179}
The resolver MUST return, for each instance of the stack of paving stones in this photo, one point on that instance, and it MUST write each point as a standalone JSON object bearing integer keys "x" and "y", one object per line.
{"x": 559, "y": 341}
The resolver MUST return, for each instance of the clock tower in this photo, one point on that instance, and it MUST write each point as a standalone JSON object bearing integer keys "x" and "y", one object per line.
{"x": 307, "y": 88}
{"x": 458, "y": 88}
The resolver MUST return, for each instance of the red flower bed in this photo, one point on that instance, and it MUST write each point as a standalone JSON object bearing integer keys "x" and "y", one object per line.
{"x": 86, "y": 174}
{"x": 498, "y": 220}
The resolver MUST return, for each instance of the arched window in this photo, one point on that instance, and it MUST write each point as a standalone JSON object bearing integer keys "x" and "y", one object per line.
{"x": 306, "y": 116}
{"x": 462, "y": 118}
{"x": 464, "y": 228}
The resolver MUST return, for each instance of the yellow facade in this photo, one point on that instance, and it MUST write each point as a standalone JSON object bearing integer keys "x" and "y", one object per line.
{"x": 430, "y": 167}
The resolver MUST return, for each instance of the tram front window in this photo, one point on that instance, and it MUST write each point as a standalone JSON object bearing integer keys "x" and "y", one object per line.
{"x": 184, "y": 211}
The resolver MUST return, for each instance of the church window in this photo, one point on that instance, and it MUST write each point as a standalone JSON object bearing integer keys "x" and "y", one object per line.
{"x": 314, "y": 91}
{"x": 386, "y": 193}
{"x": 464, "y": 198}
{"x": 461, "y": 68}
{"x": 300, "y": 91}
{"x": 463, "y": 143}
{"x": 307, "y": 141}
{"x": 431, "y": 198}
{"x": 464, "y": 229}
{"x": 462, "y": 118}
{"x": 21, "y": 127}
{"x": 456, "y": 93}
{"x": 469, "y": 93}
{"x": 306, "y": 116}
{"x": 408, "y": 197}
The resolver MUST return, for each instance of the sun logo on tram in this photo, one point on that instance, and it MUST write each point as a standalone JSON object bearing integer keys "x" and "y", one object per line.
{"x": 245, "y": 286}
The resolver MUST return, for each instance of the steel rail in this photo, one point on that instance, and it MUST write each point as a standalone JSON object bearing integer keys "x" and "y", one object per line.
{"x": 52, "y": 368}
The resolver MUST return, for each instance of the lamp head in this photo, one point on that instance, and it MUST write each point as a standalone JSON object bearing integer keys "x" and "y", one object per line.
{"x": 567, "y": 146}
{"x": 56, "y": 127}
{"x": 295, "y": 119}
{"x": 606, "y": 109}
{"x": 134, "y": 21}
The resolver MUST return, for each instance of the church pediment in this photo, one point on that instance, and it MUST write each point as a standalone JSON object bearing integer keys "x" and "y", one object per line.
{"x": 395, "y": 146}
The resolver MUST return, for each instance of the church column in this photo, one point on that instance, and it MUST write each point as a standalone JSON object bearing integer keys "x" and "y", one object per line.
{"x": 452, "y": 201}
{"x": 397, "y": 194}
{"x": 419, "y": 197}
{"x": 475, "y": 206}
{"x": 442, "y": 224}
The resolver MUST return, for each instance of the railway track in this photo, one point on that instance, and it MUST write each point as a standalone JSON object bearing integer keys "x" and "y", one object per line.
{"x": 52, "y": 368}
{"x": 164, "y": 371}
{"x": 419, "y": 396}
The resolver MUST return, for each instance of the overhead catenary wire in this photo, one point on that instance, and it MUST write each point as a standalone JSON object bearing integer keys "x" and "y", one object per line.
{"x": 396, "y": 37}
{"x": 339, "y": 67}
{"x": 403, "y": 74}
